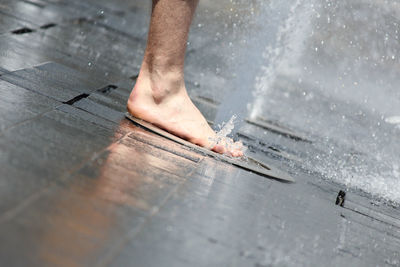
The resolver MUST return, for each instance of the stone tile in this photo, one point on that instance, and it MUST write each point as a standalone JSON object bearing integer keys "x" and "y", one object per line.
{"x": 113, "y": 100}
{"x": 41, "y": 13}
{"x": 144, "y": 183}
{"x": 99, "y": 207}
{"x": 28, "y": 168}
{"x": 31, "y": 49}
{"x": 54, "y": 81}
{"x": 237, "y": 218}
{"x": 81, "y": 185}
{"x": 184, "y": 248}
{"x": 100, "y": 110}
{"x": 75, "y": 44}
{"x": 48, "y": 232}
{"x": 18, "y": 104}
{"x": 27, "y": 50}
{"x": 118, "y": 6}
{"x": 44, "y": 87}
{"x": 90, "y": 118}
{"x": 2, "y": 71}
{"x": 9, "y": 23}
{"x": 75, "y": 79}
{"x": 121, "y": 58}
{"x": 46, "y": 150}
{"x": 121, "y": 22}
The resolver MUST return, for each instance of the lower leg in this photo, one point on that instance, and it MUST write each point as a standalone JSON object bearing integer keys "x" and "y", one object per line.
{"x": 166, "y": 45}
{"x": 160, "y": 96}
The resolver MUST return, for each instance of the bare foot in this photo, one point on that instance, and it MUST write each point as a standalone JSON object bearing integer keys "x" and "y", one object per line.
{"x": 165, "y": 103}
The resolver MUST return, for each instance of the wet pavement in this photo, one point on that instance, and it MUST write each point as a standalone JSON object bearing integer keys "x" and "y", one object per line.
{"x": 80, "y": 185}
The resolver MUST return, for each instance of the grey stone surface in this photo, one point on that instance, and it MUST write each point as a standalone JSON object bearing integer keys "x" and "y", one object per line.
{"x": 30, "y": 49}
{"x": 82, "y": 186}
{"x": 8, "y": 24}
{"x": 54, "y": 81}
{"x": 14, "y": 97}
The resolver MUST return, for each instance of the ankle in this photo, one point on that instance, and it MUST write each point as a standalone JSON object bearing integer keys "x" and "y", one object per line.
{"x": 161, "y": 84}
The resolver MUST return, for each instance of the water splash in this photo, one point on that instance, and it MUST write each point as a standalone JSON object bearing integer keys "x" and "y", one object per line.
{"x": 223, "y": 137}
{"x": 283, "y": 56}
{"x": 393, "y": 120}
{"x": 226, "y": 128}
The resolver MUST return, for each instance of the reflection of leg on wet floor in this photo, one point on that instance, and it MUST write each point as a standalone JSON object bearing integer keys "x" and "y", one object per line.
{"x": 159, "y": 95}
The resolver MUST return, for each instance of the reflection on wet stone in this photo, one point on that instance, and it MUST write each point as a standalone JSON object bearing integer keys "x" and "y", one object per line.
{"x": 82, "y": 186}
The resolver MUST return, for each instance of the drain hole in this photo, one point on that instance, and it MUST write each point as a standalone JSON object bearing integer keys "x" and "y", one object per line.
{"x": 48, "y": 26}
{"x": 341, "y": 197}
{"x": 107, "y": 89}
{"x": 76, "y": 99}
{"x": 22, "y": 31}
{"x": 274, "y": 149}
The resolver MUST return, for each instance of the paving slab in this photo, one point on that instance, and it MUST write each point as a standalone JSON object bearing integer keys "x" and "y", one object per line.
{"x": 46, "y": 149}
{"x": 31, "y": 12}
{"x": 121, "y": 23}
{"x": 113, "y": 100}
{"x": 82, "y": 38}
{"x": 42, "y": 13}
{"x": 100, "y": 110}
{"x": 60, "y": 72}
{"x": 81, "y": 185}
{"x": 30, "y": 49}
{"x": 88, "y": 117}
{"x": 201, "y": 217}
{"x": 53, "y": 81}
{"x": 2, "y": 71}
{"x": 9, "y": 23}
{"x": 50, "y": 231}
{"x": 114, "y": 205}
{"x": 18, "y": 104}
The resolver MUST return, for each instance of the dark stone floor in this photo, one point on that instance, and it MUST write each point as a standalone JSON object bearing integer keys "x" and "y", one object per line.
{"x": 82, "y": 186}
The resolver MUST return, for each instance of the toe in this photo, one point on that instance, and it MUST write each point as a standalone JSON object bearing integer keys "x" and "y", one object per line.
{"x": 236, "y": 153}
{"x": 219, "y": 149}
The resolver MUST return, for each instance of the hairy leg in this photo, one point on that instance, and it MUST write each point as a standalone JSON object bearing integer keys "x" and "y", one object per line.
{"x": 159, "y": 95}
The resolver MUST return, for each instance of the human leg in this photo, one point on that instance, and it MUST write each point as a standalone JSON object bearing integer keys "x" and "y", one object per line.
{"x": 160, "y": 95}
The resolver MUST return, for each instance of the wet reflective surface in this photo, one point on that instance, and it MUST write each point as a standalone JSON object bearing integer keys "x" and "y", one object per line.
{"x": 329, "y": 70}
{"x": 82, "y": 186}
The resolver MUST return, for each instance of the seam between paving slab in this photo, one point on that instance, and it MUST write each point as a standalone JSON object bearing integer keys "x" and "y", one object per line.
{"x": 29, "y": 119}
{"x": 8, "y": 215}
